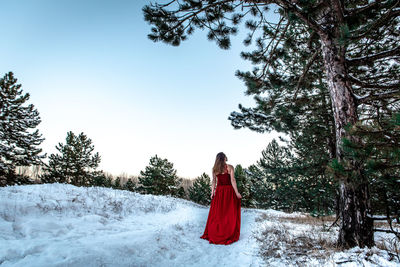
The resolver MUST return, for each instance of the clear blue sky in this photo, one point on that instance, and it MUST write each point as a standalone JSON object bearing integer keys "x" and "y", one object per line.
{"x": 89, "y": 67}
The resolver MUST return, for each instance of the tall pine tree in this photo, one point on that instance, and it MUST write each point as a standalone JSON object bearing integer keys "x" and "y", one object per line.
{"x": 19, "y": 138}
{"x": 358, "y": 44}
{"x": 75, "y": 163}
{"x": 159, "y": 178}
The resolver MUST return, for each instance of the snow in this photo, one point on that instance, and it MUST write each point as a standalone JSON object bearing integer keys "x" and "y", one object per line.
{"x": 64, "y": 225}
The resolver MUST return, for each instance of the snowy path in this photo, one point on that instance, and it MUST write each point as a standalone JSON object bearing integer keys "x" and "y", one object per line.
{"x": 62, "y": 225}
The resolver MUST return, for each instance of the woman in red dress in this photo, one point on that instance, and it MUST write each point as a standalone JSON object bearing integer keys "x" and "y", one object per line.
{"x": 223, "y": 222}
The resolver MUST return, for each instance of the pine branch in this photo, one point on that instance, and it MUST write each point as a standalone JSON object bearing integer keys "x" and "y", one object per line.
{"x": 371, "y": 96}
{"x": 376, "y": 86}
{"x": 271, "y": 54}
{"x": 193, "y": 14}
{"x": 309, "y": 64}
{"x": 167, "y": 4}
{"x": 356, "y": 11}
{"x": 370, "y": 58}
{"x": 361, "y": 33}
{"x": 296, "y": 10}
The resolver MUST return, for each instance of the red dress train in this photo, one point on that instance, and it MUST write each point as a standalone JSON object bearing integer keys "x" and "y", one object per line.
{"x": 223, "y": 222}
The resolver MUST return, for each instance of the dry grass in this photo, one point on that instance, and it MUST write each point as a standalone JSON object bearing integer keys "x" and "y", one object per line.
{"x": 385, "y": 224}
{"x": 309, "y": 220}
{"x": 391, "y": 245}
{"x": 301, "y": 238}
{"x": 304, "y": 219}
{"x": 279, "y": 242}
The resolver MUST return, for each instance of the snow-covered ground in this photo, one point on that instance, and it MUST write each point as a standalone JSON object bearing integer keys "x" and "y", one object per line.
{"x": 64, "y": 225}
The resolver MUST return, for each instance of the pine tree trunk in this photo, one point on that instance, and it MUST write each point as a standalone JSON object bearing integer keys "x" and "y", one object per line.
{"x": 356, "y": 227}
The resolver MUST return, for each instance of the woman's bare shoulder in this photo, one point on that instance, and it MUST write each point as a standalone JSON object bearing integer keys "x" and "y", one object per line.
{"x": 230, "y": 167}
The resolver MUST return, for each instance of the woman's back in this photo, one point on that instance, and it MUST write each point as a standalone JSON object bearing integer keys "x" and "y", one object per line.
{"x": 224, "y": 178}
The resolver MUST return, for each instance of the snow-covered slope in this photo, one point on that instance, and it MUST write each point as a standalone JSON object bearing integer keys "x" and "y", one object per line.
{"x": 64, "y": 225}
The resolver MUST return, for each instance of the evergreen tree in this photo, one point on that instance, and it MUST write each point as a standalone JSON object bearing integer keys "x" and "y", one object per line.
{"x": 279, "y": 182}
{"x": 379, "y": 153}
{"x": 181, "y": 193}
{"x": 99, "y": 179}
{"x": 243, "y": 185}
{"x": 273, "y": 176}
{"x": 356, "y": 43}
{"x": 260, "y": 190}
{"x": 19, "y": 140}
{"x": 200, "y": 191}
{"x": 75, "y": 162}
{"x": 108, "y": 182}
{"x": 129, "y": 185}
{"x": 159, "y": 178}
{"x": 117, "y": 183}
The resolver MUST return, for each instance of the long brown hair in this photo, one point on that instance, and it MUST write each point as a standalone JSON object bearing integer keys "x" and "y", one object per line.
{"x": 219, "y": 165}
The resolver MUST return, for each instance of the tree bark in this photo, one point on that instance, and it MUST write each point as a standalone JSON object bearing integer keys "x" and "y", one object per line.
{"x": 356, "y": 228}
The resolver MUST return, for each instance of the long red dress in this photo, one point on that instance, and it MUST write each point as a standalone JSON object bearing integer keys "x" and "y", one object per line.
{"x": 223, "y": 222}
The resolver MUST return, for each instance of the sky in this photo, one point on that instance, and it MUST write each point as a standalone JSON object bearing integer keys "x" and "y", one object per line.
{"x": 89, "y": 67}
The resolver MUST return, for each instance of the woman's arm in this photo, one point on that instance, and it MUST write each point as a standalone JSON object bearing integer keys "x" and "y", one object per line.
{"x": 233, "y": 181}
{"x": 213, "y": 185}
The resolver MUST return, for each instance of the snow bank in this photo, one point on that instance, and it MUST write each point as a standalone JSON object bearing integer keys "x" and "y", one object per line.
{"x": 64, "y": 225}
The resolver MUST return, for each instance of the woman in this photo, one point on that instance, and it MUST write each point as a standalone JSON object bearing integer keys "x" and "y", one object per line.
{"x": 223, "y": 223}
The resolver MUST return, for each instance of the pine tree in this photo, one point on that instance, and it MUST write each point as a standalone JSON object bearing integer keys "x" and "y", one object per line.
{"x": 19, "y": 140}
{"x": 99, "y": 179}
{"x": 272, "y": 176}
{"x": 200, "y": 191}
{"x": 278, "y": 181}
{"x": 129, "y": 185}
{"x": 75, "y": 163}
{"x": 117, "y": 183}
{"x": 159, "y": 178}
{"x": 356, "y": 43}
{"x": 181, "y": 193}
{"x": 379, "y": 152}
{"x": 108, "y": 182}
{"x": 243, "y": 185}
